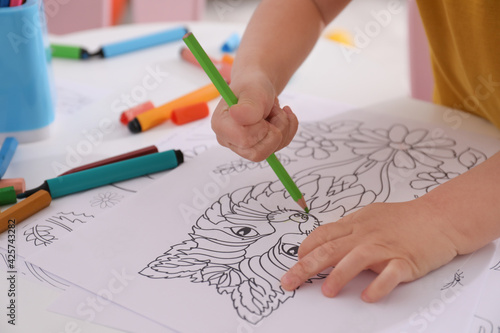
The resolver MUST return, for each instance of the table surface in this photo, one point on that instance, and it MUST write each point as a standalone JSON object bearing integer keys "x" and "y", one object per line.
{"x": 326, "y": 73}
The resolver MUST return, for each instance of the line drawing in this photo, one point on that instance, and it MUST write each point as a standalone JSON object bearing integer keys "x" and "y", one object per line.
{"x": 482, "y": 325}
{"x": 123, "y": 188}
{"x": 106, "y": 200}
{"x": 195, "y": 151}
{"x": 44, "y": 233}
{"x": 316, "y": 146}
{"x": 36, "y": 272}
{"x": 241, "y": 165}
{"x": 45, "y": 277}
{"x": 457, "y": 278}
{"x": 247, "y": 239}
{"x": 496, "y": 267}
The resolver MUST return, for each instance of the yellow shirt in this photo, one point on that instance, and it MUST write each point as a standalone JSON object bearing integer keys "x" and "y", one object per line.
{"x": 464, "y": 38}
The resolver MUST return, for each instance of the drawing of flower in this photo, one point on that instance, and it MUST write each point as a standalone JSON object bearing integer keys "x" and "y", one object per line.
{"x": 237, "y": 166}
{"x": 401, "y": 147}
{"x": 429, "y": 180}
{"x": 106, "y": 200}
{"x": 317, "y": 147}
{"x": 241, "y": 165}
{"x": 338, "y": 127}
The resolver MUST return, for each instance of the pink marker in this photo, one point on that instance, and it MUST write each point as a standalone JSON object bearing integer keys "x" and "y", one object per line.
{"x": 130, "y": 114}
{"x": 15, "y": 3}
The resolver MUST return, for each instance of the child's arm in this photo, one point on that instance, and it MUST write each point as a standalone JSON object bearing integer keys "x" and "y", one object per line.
{"x": 278, "y": 38}
{"x": 404, "y": 241}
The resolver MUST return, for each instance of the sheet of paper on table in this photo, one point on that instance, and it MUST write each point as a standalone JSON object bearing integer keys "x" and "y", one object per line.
{"x": 487, "y": 314}
{"x": 66, "y": 215}
{"x": 219, "y": 254}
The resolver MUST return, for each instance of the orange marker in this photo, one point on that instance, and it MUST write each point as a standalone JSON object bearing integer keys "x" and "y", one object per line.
{"x": 130, "y": 114}
{"x": 227, "y": 59}
{"x": 156, "y": 116}
{"x": 190, "y": 113}
{"x": 24, "y": 209}
{"x": 18, "y": 184}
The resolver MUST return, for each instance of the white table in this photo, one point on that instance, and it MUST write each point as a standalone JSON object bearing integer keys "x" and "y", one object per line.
{"x": 325, "y": 74}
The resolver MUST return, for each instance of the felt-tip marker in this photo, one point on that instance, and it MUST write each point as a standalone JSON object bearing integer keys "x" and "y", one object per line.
{"x": 126, "y": 156}
{"x": 107, "y": 174}
{"x": 24, "y": 209}
{"x": 118, "y": 48}
{"x": 159, "y": 115}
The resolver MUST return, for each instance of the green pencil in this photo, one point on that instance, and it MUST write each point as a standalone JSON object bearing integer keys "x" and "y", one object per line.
{"x": 230, "y": 98}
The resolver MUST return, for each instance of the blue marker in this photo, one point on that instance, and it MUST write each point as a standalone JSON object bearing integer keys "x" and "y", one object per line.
{"x": 6, "y": 153}
{"x": 118, "y": 48}
{"x": 4, "y": 3}
{"x": 143, "y": 42}
{"x": 232, "y": 43}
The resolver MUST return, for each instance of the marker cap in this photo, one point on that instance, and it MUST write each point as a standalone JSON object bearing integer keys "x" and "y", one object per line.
{"x": 7, "y": 195}
{"x": 130, "y": 114}
{"x": 190, "y": 113}
{"x": 231, "y": 44}
{"x": 18, "y": 184}
{"x": 66, "y": 51}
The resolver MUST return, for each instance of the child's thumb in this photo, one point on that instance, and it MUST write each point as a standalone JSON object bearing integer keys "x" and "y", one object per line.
{"x": 253, "y": 106}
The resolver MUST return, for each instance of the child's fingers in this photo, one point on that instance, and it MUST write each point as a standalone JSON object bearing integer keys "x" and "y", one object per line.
{"x": 356, "y": 261}
{"x": 260, "y": 150}
{"x": 292, "y": 127}
{"x": 324, "y": 234}
{"x": 394, "y": 273}
{"x": 324, "y": 256}
{"x": 243, "y": 137}
{"x": 286, "y": 122}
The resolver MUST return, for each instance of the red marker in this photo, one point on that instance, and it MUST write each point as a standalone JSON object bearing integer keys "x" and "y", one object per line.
{"x": 119, "y": 158}
{"x": 15, "y": 3}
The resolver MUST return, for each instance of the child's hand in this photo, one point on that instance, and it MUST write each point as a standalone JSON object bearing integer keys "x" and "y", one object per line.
{"x": 256, "y": 127}
{"x": 400, "y": 241}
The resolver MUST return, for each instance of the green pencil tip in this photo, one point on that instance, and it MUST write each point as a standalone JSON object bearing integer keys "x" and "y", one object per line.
{"x": 307, "y": 210}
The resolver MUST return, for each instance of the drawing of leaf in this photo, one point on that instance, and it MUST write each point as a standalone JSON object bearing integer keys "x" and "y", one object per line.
{"x": 471, "y": 157}
{"x": 39, "y": 235}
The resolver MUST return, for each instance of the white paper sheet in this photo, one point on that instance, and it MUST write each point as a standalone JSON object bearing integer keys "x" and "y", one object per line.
{"x": 487, "y": 314}
{"x": 81, "y": 304}
{"x": 233, "y": 217}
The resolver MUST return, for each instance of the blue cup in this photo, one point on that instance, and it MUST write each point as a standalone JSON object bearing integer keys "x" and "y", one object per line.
{"x": 26, "y": 98}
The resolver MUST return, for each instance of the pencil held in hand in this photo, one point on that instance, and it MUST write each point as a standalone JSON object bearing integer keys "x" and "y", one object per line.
{"x": 230, "y": 98}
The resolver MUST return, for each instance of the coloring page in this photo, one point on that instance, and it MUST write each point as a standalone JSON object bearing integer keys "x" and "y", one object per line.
{"x": 212, "y": 238}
